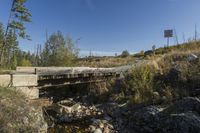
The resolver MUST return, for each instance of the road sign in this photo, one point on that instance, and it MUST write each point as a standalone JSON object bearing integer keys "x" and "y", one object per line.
{"x": 168, "y": 33}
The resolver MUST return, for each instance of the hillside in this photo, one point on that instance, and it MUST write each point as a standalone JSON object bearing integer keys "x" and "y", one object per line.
{"x": 105, "y": 61}
{"x": 159, "y": 95}
{"x": 155, "y": 95}
{"x": 47, "y": 86}
{"x": 132, "y": 59}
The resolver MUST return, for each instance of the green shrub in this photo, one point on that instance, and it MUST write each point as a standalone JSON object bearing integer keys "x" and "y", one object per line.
{"x": 25, "y": 62}
{"x": 140, "y": 81}
{"x": 125, "y": 53}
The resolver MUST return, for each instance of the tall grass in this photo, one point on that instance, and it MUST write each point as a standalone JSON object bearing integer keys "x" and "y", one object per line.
{"x": 140, "y": 81}
{"x": 167, "y": 78}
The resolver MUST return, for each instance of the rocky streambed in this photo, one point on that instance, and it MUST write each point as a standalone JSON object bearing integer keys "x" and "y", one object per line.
{"x": 68, "y": 116}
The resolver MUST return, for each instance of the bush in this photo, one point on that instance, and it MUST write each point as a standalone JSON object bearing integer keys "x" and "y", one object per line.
{"x": 25, "y": 62}
{"x": 139, "y": 55}
{"x": 125, "y": 53}
{"x": 140, "y": 81}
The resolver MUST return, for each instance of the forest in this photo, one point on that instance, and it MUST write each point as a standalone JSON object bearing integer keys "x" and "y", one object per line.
{"x": 58, "y": 50}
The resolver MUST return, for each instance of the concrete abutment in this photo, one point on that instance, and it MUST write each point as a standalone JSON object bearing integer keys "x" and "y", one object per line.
{"x": 25, "y": 83}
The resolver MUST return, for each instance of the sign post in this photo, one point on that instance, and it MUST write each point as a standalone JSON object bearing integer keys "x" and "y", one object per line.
{"x": 168, "y": 34}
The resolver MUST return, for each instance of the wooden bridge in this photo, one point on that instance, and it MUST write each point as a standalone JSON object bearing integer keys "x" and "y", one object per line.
{"x": 30, "y": 79}
{"x": 59, "y": 76}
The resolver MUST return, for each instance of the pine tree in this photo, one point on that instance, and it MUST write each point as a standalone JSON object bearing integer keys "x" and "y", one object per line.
{"x": 19, "y": 14}
{"x": 1, "y": 34}
{"x": 11, "y": 48}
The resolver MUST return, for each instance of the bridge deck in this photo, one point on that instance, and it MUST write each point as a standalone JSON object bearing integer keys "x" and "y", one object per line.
{"x": 54, "y": 76}
{"x": 30, "y": 79}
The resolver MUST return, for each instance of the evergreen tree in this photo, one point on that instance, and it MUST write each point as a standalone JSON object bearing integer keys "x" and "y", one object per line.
{"x": 1, "y": 35}
{"x": 19, "y": 14}
{"x": 11, "y": 48}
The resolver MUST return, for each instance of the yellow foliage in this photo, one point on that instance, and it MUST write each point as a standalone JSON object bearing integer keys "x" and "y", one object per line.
{"x": 25, "y": 62}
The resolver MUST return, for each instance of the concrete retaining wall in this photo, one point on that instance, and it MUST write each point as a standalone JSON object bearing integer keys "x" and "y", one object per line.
{"x": 24, "y": 80}
{"x": 30, "y": 92}
{"x": 27, "y": 84}
{"x": 5, "y": 80}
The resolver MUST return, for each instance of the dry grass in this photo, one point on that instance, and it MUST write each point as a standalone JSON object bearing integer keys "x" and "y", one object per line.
{"x": 165, "y": 77}
{"x": 140, "y": 82}
{"x": 106, "y": 61}
{"x": 170, "y": 76}
{"x": 16, "y": 114}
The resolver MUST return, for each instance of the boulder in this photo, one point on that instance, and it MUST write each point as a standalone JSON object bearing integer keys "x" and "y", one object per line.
{"x": 98, "y": 131}
{"x": 92, "y": 128}
{"x": 192, "y": 57}
{"x": 180, "y": 123}
{"x": 76, "y": 107}
{"x": 181, "y": 117}
{"x": 146, "y": 115}
{"x": 185, "y": 105}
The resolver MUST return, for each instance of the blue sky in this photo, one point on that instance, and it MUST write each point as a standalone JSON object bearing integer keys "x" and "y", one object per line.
{"x": 109, "y": 26}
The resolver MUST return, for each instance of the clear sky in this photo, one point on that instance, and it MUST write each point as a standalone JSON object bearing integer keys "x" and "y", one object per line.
{"x": 109, "y": 26}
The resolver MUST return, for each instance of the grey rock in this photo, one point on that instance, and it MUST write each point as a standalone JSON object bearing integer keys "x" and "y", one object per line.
{"x": 64, "y": 101}
{"x": 106, "y": 130}
{"x": 192, "y": 57}
{"x": 65, "y": 118}
{"x": 96, "y": 121}
{"x": 180, "y": 123}
{"x": 101, "y": 125}
{"x": 181, "y": 117}
{"x": 184, "y": 105}
{"x": 76, "y": 107}
{"x": 92, "y": 128}
{"x": 25, "y": 120}
{"x": 146, "y": 115}
{"x": 107, "y": 118}
{"x": 98, "y": 131}
{"x": 110, "y": 126}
